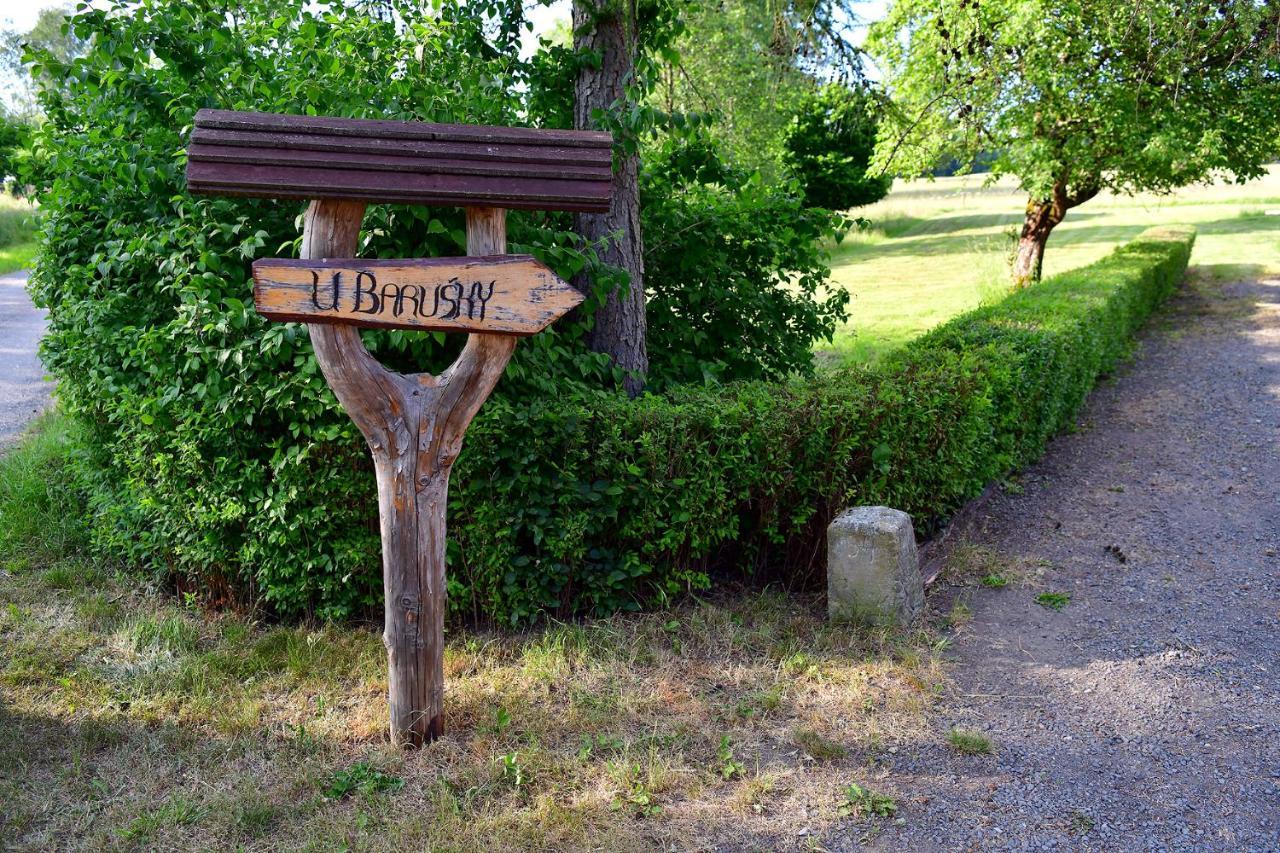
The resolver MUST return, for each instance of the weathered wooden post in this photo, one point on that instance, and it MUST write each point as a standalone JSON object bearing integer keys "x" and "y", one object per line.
{"x": 414, "y": 424}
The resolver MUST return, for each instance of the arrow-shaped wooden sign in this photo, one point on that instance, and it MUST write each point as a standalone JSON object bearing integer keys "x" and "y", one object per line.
{"x": 503, "y": 294}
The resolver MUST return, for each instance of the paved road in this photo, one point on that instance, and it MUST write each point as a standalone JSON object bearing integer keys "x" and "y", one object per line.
{"x": 23, "y": 391}
{"x": 1145, "y": 715}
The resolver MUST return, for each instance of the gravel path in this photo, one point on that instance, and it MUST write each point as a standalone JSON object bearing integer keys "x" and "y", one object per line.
{"x": 23, "y": 391}
{"x": 1146, "y": 714}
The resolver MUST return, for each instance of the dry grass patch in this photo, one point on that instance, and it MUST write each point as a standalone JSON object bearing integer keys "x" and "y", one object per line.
{"x": 970, "y": 565}
{"x": 136, "y": 723}
{"x": 133, "y": 722}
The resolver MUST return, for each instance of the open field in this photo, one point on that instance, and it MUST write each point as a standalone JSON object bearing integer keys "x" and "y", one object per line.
{"x": 939, "y": 248}
{"x": 133, "y": 720}
{"x": 17, "y": 233}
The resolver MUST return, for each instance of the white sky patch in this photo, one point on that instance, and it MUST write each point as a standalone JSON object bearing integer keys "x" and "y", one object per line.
{"x": 21, "y": 15}
{"x": 544, "y": 19}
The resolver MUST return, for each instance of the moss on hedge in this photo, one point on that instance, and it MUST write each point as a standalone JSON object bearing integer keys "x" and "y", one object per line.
{"x": 597, "y": 503}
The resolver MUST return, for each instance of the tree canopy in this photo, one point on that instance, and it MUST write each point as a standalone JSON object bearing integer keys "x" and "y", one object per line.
{"x": 829, "y": 144}
{"x": 1077, "y": 96}
{"x": 751, "y": 65}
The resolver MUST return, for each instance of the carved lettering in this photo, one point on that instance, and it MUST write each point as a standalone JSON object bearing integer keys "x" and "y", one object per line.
{"x": 514, "y": 296}
{"x": 435, "y": 305}
{"x": 392, "y": 298}
{"x": 375, "y": 306}
{"x": 315, "y": 291}
{"x": 413, "y": 294}
{"x": 454, "y": 299}
{"x": 478, "y": 295}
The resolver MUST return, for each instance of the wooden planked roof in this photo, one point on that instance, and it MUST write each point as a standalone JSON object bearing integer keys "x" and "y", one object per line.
{"x": 268, "y": 155}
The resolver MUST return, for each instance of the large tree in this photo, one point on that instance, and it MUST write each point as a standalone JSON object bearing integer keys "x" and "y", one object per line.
{"x": 606, "y": 38}
{"x": 1079, "y": 96}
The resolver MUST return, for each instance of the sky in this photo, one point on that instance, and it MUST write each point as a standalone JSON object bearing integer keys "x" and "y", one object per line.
{"x": 20, "y": 14}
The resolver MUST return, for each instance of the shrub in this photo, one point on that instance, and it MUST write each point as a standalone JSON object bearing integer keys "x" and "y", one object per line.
{"x": 216, "y": 451}
{"x": 828, "y": 147}
{"x": 733, "y": 268}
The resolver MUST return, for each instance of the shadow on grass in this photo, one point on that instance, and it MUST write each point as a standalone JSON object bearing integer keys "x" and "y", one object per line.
{"x": 132, "y": 722}
{"x": 946, "y": 235}
{"x": 1245, "y": 222}
{"x": 936, "y": 237}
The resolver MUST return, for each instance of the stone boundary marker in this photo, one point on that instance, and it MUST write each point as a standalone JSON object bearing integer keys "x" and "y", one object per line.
{"x": 873, "y": 571}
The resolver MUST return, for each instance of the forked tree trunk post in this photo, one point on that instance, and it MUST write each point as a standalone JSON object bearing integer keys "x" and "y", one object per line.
{"x": 414, "y": 426}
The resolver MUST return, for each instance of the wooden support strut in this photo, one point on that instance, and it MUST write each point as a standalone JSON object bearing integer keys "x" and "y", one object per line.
{"x": 414, "y": 426}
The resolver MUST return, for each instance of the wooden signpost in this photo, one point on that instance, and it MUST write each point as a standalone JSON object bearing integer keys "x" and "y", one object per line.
{"x": 414, "y": 424}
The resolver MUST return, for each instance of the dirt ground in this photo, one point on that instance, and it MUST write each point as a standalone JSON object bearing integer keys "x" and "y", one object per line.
{"x": 1145, "y": 713}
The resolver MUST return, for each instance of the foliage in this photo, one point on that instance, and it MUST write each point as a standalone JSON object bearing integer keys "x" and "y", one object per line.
{"x": 748, "y": 65}
{"x": 211, "y": 426}
{"x": 863, "y": 802}
{"x": 726, "y": 765}
{"x": 14, "y": 136}
{"x": 726, "y": 71}
{"x": 735, "y": 268}
{"x": 1053, "y": 600}
{"x": 1077, "y": 97}
{"x": 1124, "y": 96}
{"x": 49, "y": 36}
{"x": 361, "y": 778}
{"x": 217, "y": 455}
{"x": 968, "y": 742}
{"x": 829, "y": 145}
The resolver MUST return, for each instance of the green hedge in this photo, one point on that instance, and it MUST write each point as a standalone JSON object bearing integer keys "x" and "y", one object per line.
{"x": 595, "y": 503}
{"x": 599, "y": 503}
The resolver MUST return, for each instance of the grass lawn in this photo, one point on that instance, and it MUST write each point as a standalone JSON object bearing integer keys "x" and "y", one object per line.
{"x": 132, "y": 721}
{"x": 18, "y": 220}
{"x": 17, "y": 257}
{"x": 939, "y": 248}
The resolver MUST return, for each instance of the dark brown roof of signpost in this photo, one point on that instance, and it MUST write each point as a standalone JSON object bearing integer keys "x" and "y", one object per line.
{"x": 268, "y": 155}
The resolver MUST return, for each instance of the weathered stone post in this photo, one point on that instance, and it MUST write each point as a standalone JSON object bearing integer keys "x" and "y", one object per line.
{"x": 873, "y": 573}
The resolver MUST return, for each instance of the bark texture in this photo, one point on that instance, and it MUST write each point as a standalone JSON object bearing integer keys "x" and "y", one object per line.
{"x": 607, "y": 28}
{"x": 1042, "y": 216}
{"x": 414, "y": 426}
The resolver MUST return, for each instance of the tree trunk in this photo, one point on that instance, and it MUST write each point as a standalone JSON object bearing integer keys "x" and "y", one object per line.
{"x": 414, "y": 426}
{"x": 607, "y": 27}
{"x": 1043, "y": 215}
{"x": 1036, "y": 226}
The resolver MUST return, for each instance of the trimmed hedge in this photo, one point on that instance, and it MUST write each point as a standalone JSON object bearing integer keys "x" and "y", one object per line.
{"x": 599, "y": 503}
{"x": 594, "y": 503}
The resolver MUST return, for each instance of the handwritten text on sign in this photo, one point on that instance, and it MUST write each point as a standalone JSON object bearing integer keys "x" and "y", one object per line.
{"x": 506, "y": 294}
